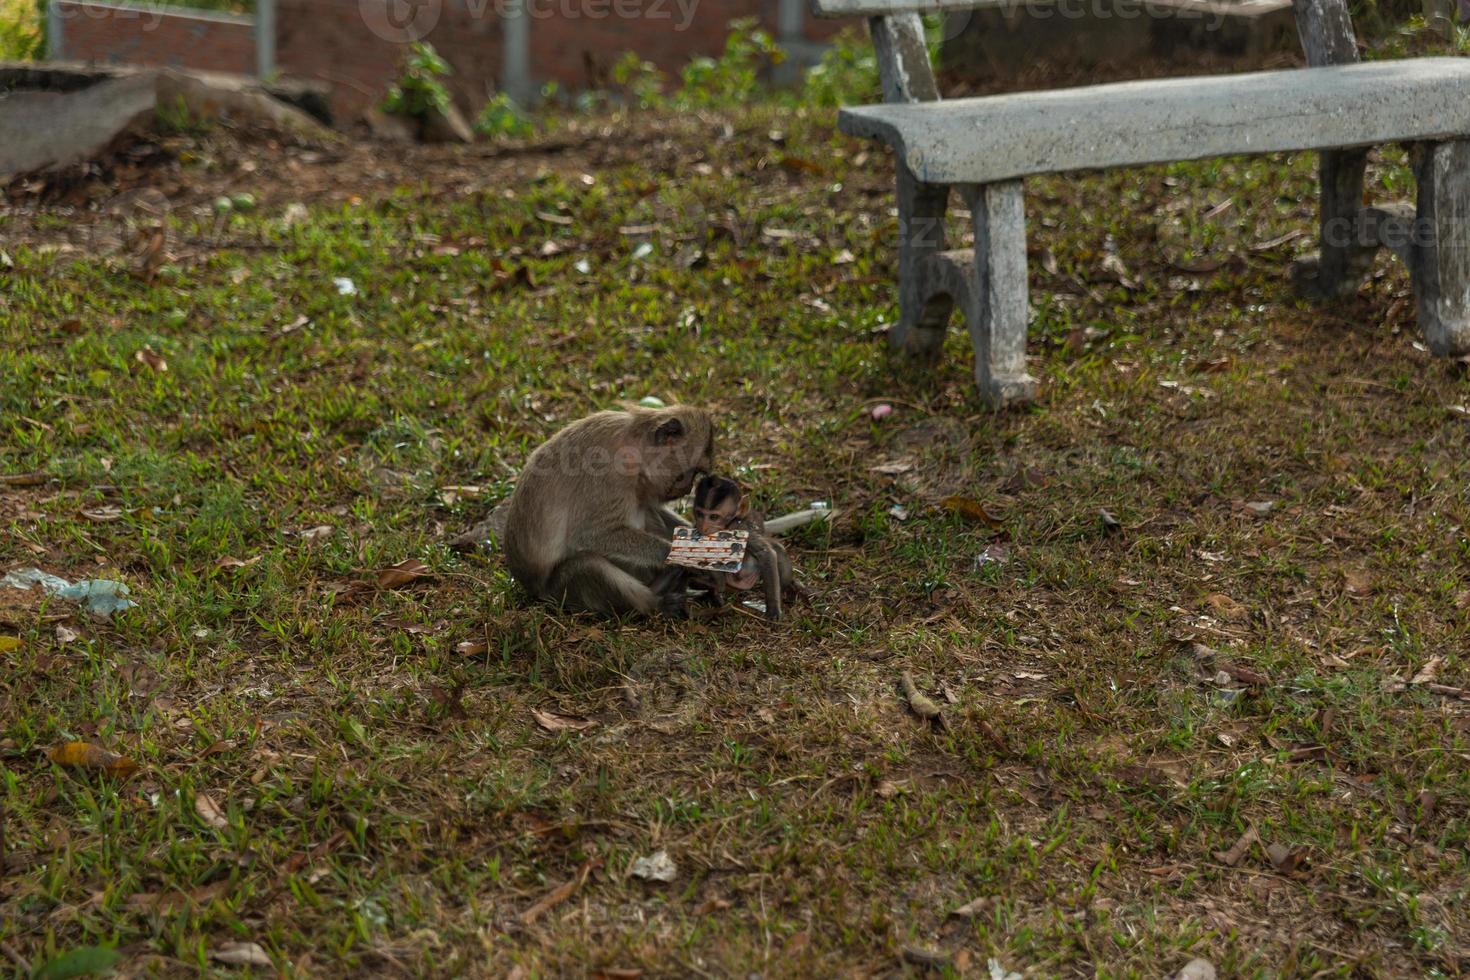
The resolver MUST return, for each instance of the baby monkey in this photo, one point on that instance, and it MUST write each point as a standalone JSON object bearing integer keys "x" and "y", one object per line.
{"x": 721, "y": 504}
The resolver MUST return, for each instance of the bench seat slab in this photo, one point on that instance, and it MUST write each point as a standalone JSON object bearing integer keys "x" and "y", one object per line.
{"x": 1004, "y": 137}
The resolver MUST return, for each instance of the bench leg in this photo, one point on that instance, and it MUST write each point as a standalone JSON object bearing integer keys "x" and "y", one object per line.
{"x": 1441, "y": 248}
{"x": 923, "y": 317}
{"x": 1345, "y": 257}
{"x": 997, "y": 304}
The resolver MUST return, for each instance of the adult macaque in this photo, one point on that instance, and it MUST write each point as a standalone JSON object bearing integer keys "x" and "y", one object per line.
{"x": 721, "y": 504}
{"x": 587, "y": 526}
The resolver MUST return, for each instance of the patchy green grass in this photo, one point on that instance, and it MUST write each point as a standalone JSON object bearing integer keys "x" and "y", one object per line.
{"x": 390, "y": 804}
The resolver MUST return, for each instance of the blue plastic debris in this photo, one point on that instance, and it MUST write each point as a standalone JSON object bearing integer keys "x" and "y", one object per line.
{"x": 99, "y": 596}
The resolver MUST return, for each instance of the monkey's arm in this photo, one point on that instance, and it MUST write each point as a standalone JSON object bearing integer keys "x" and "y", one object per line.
{"x": 661, "y": 520}
{"x": 636, "y": 552}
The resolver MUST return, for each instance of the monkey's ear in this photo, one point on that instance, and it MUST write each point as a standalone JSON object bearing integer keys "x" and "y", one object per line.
{"x": 744, "y": 507}
{"x": 668, "y": 432}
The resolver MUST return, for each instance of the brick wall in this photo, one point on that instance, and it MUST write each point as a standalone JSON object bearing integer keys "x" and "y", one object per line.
{"x": 337, "y": 42}
{"x": 357, "y": 46}
{"x": 578, "y": 51}
{"x": 146, "y": 36}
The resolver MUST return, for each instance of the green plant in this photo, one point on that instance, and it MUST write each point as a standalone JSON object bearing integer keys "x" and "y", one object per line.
{"x": 734, "y": 77}
{"x": 21, "y": 37}
{"x": 174, "y": 118}
{"x": 418, "y": 90}
{"x": 502, "y": 116}
{"x": 847, "y": 73}
{"x": 642, "y": 80}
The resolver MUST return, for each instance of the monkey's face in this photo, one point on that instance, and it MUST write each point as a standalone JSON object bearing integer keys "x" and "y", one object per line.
{"x": 717, "y": 501}
{"x": 678, "y": 446}
{"x": 709, "y": 521}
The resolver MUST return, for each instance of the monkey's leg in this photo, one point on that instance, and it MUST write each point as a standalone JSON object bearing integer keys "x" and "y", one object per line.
{"x": 770, "y": 568}
{"x": 591, "y": 583}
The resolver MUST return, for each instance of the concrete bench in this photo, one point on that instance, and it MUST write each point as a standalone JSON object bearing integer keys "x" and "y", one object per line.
{"x": 983, "y": 148}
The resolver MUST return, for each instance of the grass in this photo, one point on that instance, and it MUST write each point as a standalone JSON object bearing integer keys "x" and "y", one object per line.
{"x": 390, "y": 804}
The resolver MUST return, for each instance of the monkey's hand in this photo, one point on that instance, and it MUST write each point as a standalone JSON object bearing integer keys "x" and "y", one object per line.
{"x": 674, "y": 603}
{"x": 747, "y": 577}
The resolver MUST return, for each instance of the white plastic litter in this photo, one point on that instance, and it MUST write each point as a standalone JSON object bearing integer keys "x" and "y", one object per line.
{"x": 99, "y": 596}
{"x": 657, "y": 866}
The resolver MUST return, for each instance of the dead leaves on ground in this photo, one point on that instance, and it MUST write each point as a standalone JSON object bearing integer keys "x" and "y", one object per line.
{"x": 241, "y": 954}
{"x": 89, "y": 755}
{"x": 970, "y": 510}
{"x": 1226, "y": 608}
{"x": 167, "y": 903}
{"x": 1287, "y": 860}
{"x": 151, "y": 359}
{"x": 404, "y": 573}
{"x": 210, "y": 812}
{"x": 554, "y": 723}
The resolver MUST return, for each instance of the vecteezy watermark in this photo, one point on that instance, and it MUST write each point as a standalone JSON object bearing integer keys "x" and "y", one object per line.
{"x": 402, "y": 21}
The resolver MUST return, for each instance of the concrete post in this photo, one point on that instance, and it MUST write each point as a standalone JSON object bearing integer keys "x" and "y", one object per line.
{"x": 515, "y": 71}
{"x": 265, "y": 38}
{"x": 55, "y": 44}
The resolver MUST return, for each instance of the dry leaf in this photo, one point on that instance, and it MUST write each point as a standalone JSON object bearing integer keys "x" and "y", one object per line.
{"x": 919, "y": 703}
{"x": 87, "y": 755}
{"x": 210, "y": 812}
{"x": 151, "y": 358}
{"x": 887, "y": 789}
{"x": 932, "y": 959}
{"x": 892, "y": 468}
{"x": 103, "y": 514}
{"x": 1109, "y": 522}
{"x": 971, "y": 908}
{"x": 1239, "y": 849}
{"x": 229, "y": 562}
{"x": 471, "y": 648}
{"x": 402, "y": 574}
{"x": 1286, "y": 859}
{"x": 970, "y": 510}
{"x": 169, "y": 902}
{"x": 800, "y": 165}
{"x": 1226, "y": 608}
{"x": 710, "y": 905}
{"x": 241, "y": 954}
{"x": 1357, "y": 584}
{"x": 1429, "y": 672}
{"x": 147, "y": 253}
{"x": 553, "y": 722}
{"x": 8, "y": 643}
{"x": 317, "y": 533}
{"x": 1245, "y": 675}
